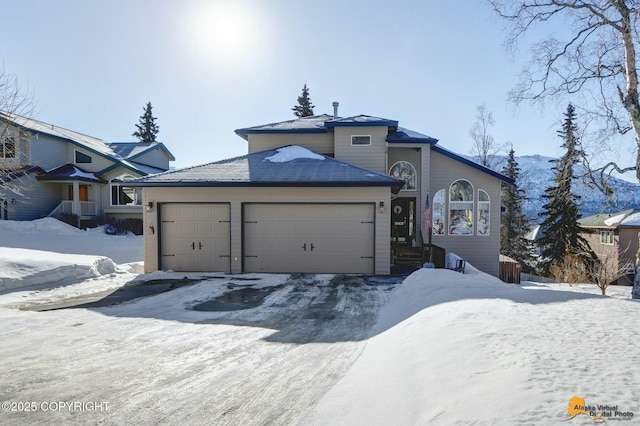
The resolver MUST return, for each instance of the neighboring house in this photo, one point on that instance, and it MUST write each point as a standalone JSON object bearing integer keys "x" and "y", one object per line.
{"x": 614, "y": 239}
{"x": 322, "y": 194}
{"x": 48, "y": 170}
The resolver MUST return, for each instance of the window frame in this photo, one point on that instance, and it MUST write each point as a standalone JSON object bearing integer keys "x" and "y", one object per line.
{"x": 481, "y": 204}
{"x": 360, "y": 136}
{"x": 604, "y": 237}
{"x": 470, "y": 217}
{"x": 8, "y": 140}
{"x": 77, "y": 158}
{"x": 117, "y": 185}
{"x": 413, "y": 173}
{"x": 441, "y": 206}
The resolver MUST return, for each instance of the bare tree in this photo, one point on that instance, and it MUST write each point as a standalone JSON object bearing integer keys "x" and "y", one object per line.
{"x": 484, "y": 145}
{"x": 606, "y": 271}
{"x": 590, "y": 50}
{"x": 15, "y": 103}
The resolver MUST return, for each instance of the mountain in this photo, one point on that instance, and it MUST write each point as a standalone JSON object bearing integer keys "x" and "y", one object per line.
{"x": 536, "y": 175}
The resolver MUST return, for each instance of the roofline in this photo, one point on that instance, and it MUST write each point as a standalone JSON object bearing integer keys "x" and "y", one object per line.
{"x": 315, "y": 184}
{"x": 410, "y": 140}
{"x": 158, "y": 144}
{"x": 120, "y": 164}
{"x": 379, "y": 123}
{"x": 250, "y": 131}
{"x": 473, "y": 164}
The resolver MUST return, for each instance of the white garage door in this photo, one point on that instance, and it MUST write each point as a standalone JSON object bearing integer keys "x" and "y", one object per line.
{"x": 309, "y": 238}
{"x": 195, "y": 237}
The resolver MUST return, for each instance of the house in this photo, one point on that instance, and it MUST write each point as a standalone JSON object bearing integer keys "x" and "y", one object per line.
{"x": 614, "y": 239}
{"x": 323, "y": 194}
{"x": 46, "y": 170}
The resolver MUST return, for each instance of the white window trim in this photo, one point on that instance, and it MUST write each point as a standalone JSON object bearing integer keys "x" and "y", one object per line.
{"x": 452, "y": 205}
{"x": 360, "y": 136}
{"x": 5, "y": 140}
{"x": 137, "y": 200}
{"x": 482, "y": 203}
{"x": 603, "y": 237}
{"x": 443, "y": 212}
{"x": 415, "y": 175}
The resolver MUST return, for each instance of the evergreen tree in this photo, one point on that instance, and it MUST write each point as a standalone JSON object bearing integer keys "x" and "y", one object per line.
{"x": 560, "y": 229}
{"x": 147, "y": 129}
{"x": 514, "y": 223}
{"x": 304, "y": 107}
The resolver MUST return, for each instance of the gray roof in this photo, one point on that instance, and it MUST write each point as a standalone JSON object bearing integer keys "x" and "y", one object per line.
{"x": 626, "y": 219}
{"x": 287, "y": 166}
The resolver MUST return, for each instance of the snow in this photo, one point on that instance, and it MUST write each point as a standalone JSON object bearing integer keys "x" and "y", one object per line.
{"x": 440, "y": 348}
{"x": 80, "y": 173}
{"x": 632, "y": 220}
{"x": 294, "y": 152}
{"x": 614, "y": 220}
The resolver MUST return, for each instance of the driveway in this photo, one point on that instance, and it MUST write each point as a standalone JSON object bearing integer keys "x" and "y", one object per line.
{"x": 252, "y": 349}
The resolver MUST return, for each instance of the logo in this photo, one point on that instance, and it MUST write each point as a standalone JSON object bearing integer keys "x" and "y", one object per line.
{"x": 598, "y": 413}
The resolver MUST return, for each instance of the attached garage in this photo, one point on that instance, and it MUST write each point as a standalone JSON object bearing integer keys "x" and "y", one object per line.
{"x": 309, "y": 237}
{"x": 195, "y": 237}
{"x": 286, "y": 210}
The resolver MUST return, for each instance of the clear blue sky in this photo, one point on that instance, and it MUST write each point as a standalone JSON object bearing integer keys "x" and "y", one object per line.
{"x": 210, "y": 67}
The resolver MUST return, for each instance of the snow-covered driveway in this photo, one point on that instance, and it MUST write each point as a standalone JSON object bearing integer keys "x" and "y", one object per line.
{"x": 157, "y": 361}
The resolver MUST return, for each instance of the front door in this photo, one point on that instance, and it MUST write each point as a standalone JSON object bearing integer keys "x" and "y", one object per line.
{"x": 83, "y": 190}
{"x": 403, "y": 220}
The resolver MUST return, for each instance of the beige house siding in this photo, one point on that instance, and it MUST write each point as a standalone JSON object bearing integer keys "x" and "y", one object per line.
{"x": 621, "y": 252}
{"x": 372, "y": 157}
{"x": 480, "y": 251}
{"x": 237, "y": 196}
{"x": 322, "y": 143}
{"x": 628, "y": 240}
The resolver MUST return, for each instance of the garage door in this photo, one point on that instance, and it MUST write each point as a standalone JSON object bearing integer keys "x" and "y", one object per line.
{"x": 195, "y": 237}
{"x": 309, "y": 238}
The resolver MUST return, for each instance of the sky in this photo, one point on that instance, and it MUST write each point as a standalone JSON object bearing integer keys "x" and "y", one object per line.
{"x": 211, "y": 67}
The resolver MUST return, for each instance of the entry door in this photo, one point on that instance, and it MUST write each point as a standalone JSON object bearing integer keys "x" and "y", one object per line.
{"x": 403, "y": 222}
{"x": 195, "y": 237}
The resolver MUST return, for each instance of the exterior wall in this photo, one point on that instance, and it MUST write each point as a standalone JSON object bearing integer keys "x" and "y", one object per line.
{"x": 48, "y": 152}
{"x": 154, "y": 158}
{"x": 104, "y": 198}
{"x": 481, "y": 251}
{"x": 628, "y": 244}
{"x": 372, "y": 157}
{"x": 22, "y": 147}
{"x": 322, "y": 143}
{"x": 237, "y": 196}
{"x": 97, "y": 164}
{"x": 38, "y": 201}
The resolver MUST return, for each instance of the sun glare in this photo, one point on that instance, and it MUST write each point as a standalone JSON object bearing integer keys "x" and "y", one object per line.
{"x": 221, "y": 31}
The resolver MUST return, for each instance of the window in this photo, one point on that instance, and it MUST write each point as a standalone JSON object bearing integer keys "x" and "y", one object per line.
{"x": 82, "y": 158}
{"x": 360, "y": 140}
{"x": 438, "y": 212}
{"x": 8, "y": 148}
{"x": 405, "y": 171}
{"x": 606, "y": 237}
{"x": 461, "y": 208}
{"x": 483, "y": 221}
{"x": 125, "y": 196}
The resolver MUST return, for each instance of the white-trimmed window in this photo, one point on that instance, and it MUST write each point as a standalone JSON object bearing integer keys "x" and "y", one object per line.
{"x": 439, "y": 212}
{"x": 405, "y": 171}
{"x": 484, "y": 219}
{"x": 606, "y": 237}
{"x": 121, "y": 195}
{"x": 361, "y": 140}
{"x": 8, "y": 147}
{"x": 82, "y": 158}
{"x": 461, "y": 208}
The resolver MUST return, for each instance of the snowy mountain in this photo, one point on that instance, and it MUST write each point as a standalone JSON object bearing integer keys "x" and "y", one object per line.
{"x": 536, "y": 175}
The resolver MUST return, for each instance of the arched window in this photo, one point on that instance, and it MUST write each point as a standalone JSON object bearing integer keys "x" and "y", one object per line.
{"x": 484, "y": 206}
{"x": 405, "y": 171}
{"x": 439, "y": 212}
{"x": 461, "y": 208}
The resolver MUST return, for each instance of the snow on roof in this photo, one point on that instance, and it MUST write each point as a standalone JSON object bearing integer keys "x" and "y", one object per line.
{"x": 294, "y": 152}
{"x": 632, "y": 220}
{"x": 614, "y": 220}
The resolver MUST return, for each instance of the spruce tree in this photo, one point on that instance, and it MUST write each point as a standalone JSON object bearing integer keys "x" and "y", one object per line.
{"x": 304, "y": 107}
{"x": 514, "y": 223}
{"x": 147, "y": 129}
{"x": 559, "y": 228}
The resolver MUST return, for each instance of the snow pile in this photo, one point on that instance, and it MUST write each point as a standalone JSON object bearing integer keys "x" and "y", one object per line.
{"x": 50, "y": 234}
{"x": 22, "y": 267}
{"x": 294, "y": 152}
{"x": 450, "y": 348}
